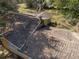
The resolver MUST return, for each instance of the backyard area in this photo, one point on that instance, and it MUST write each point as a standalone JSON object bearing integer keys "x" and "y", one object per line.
{"x": 39, "y": 29}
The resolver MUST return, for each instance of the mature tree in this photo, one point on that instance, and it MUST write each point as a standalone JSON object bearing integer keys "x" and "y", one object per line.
{"x": 39, "y": 4}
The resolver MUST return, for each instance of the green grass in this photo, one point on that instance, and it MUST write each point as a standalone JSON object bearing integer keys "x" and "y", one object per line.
{"x": 59, "y": 18}
{"x": 22, "y": 8}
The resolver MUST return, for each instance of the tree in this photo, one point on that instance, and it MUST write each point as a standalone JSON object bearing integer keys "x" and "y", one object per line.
{"x": 73, "y": 4}
{"x": 60, "y": 3}
{"x": 6, "y": 5}
{"x": 39, "y": 4}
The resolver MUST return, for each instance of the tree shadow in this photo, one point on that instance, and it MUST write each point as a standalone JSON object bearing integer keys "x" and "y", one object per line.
{"x": 40, "y": 47}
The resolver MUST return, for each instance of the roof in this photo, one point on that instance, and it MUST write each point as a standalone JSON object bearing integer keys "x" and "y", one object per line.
{"x": 21, "y": 31}
{"x": 52, "y": 43}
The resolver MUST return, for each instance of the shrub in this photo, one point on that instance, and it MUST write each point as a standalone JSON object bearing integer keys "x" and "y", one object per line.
{"x": 42, "y": 3}
{"x": 22, "y": 8}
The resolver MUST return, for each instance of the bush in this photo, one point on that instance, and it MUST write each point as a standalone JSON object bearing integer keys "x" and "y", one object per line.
{"x": 39, "y": 3}
{"x": 22, "y": 8}
{"x": 2, "y": 23}
{"x": 4, "y": 7}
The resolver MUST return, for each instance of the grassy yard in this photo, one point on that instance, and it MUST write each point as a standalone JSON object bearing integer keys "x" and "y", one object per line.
{"x": 61, "y": 20}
